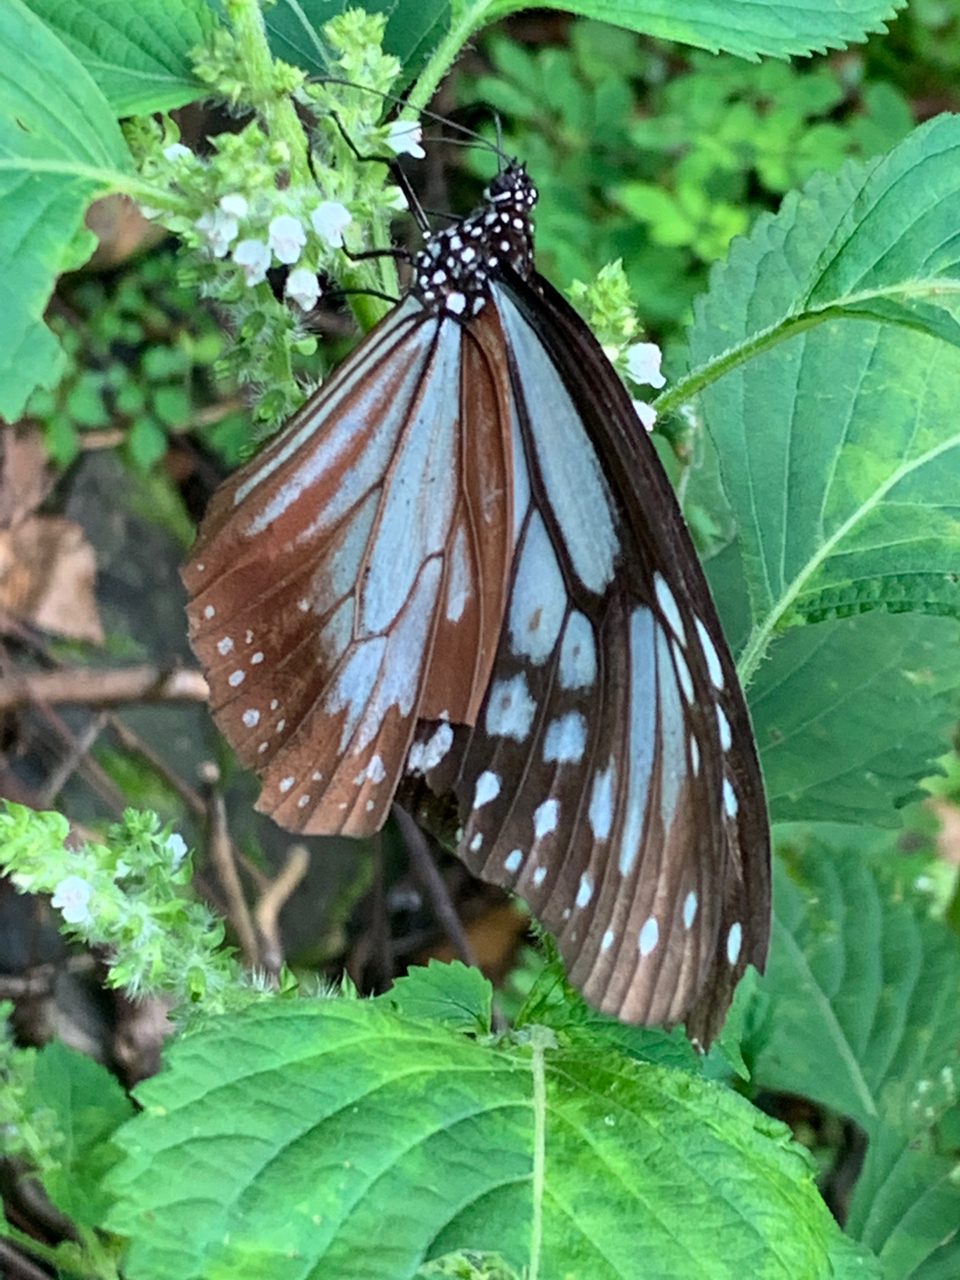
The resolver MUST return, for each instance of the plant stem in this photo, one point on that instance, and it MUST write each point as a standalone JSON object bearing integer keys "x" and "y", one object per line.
{"x": 447, "y": 53}
{"x": 275, "y": 107}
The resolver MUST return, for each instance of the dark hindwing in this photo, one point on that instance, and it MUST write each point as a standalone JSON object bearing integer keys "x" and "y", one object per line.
{"x": 611, "y": 778}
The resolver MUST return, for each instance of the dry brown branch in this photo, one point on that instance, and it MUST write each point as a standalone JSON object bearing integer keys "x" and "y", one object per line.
{"x": 267, "y": 910}
{"x": 221, "y": 855}
{"x": 99, "y": 688}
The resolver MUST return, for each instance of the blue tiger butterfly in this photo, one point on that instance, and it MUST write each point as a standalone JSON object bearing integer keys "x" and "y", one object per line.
{"x": 462, "y": 563}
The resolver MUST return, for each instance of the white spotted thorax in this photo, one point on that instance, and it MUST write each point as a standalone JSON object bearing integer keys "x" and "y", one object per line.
{"x": 460, "y": 578}
{"x": 453, "y": 271}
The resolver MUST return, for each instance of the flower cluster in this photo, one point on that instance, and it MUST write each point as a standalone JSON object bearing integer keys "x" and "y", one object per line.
{"x": 129, "y": 896}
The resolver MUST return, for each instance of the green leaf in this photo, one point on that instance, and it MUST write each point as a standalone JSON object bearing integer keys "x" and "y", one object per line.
{"x": 744, "y": 27}
{"x": 414, "y": 27}
{"x": 850, "y": 714}
{"x": 858, "y": 1011}
{"x": 59, "y": 146}
{"x": 334, "y": 1138}
{"x": 138, "y": 54}
{"x": 89, "y": 1105}
{"x": 453, "y": 995}
{"x": 838, "y": 436}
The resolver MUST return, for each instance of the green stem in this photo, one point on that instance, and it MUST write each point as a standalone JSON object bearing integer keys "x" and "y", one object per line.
{"x": 447, "y": 53}
{"x": 275, "y": 107}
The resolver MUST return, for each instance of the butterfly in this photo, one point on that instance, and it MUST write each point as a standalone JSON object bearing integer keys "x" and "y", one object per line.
{"x": 462, "y": 562}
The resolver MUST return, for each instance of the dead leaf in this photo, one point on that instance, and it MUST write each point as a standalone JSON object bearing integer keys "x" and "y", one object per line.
{"x": 47, "y": 571}
{"x": 26, "y": 476}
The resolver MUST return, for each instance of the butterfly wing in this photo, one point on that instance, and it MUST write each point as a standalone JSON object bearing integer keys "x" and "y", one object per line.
{"x": 351, "y": 579}
{"x": 610, "y": 778}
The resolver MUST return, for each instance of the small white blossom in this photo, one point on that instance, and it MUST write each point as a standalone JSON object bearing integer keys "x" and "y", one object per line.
{"x": 286, "y": 237}
{"x": 177, "y": 848}
{"x": 303, "y": 287}
{"x": 404, "y": 138}
{"x": 219, "y": 229}
{"x": 72, "y": 899}
{"x": 176, "y": 151}
{"x": 254, "y": 257}
{"x": 643, "y": 364}
{"x": 646, "y": 413}
{"x": 330, "y": 220}
{"x": 235, "y": 205}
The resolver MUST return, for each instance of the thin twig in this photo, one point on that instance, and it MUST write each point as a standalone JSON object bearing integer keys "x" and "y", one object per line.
{"x": 425, "y": 869}
{"x": 221, "y": 855}
{"x": 83, "y": 685}
{"x": 267, "y": 910}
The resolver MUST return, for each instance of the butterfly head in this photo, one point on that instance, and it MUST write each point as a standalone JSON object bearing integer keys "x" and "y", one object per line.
{"x": 454, "y": 270}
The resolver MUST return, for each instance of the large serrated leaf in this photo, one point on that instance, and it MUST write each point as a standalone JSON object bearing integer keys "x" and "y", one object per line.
{"x": 748, "y": 28}
{"x": 59, "y": 146}
{"x": 850, "y": 714}
{"x": 138, "y": 54}
{"x": 337, "y": 1139}
{"x": 860, "y": 1011}
{"x": 838, "y": 436}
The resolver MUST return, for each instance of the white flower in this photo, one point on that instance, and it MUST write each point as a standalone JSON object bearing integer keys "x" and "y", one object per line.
{"x": 286, "y": 237}
{"x": 254, "y": 257}
{"x": 72, "y": 899}
{"x": 643, "y": 364}
{"x": 176, "y": 151}
{"x": 330, "y": 220}
{"x": 219, "y": 229}
{"x": 646, "y": 413}
{"x": 235, "y": 205}
{"x": 404, "y": 138}
{"x": 303, "y": 287}
{"x": 177, "y": 848}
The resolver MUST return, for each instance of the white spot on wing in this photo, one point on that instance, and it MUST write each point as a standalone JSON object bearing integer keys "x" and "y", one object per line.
{"x": 286, "y": 784}
{"x": 224, "y": 646}
{"x": 607, "y": 942}
{"x": 642, "y": 711}
{"x": 488, "y": 788}
{"x": 235, "y": 678}
{"x": 476, "y": 842}
{"x": 510, "y": 709}
{"x": 673, "y": 732}
{"x": 425, "y": 756}
{"x": 669, "y": 607}
{"x": 711, "y": 655}
{"x": 683, "y": 672}
{"x": 726, "y": 734}
{"x": 729, "y": 799}
{"x": 565, "y": 739}
{"x": 649, "y": 937}
{"x": 539, "y": 876}
{"x": 375, "y": 770}
{"x": 545, "y": 818}
{"x": 209, "y": 612}
{"x": 539, "y": 600}
{"x": 585, "y": 889}
{"x": 251, "y": 718}
{"x": 689, "y": 909}
{"x": 513, "y": 861}
{"x": 601, "y": 802}
{"x": 578, "y": 654}
{"x": 734, "y": 942}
